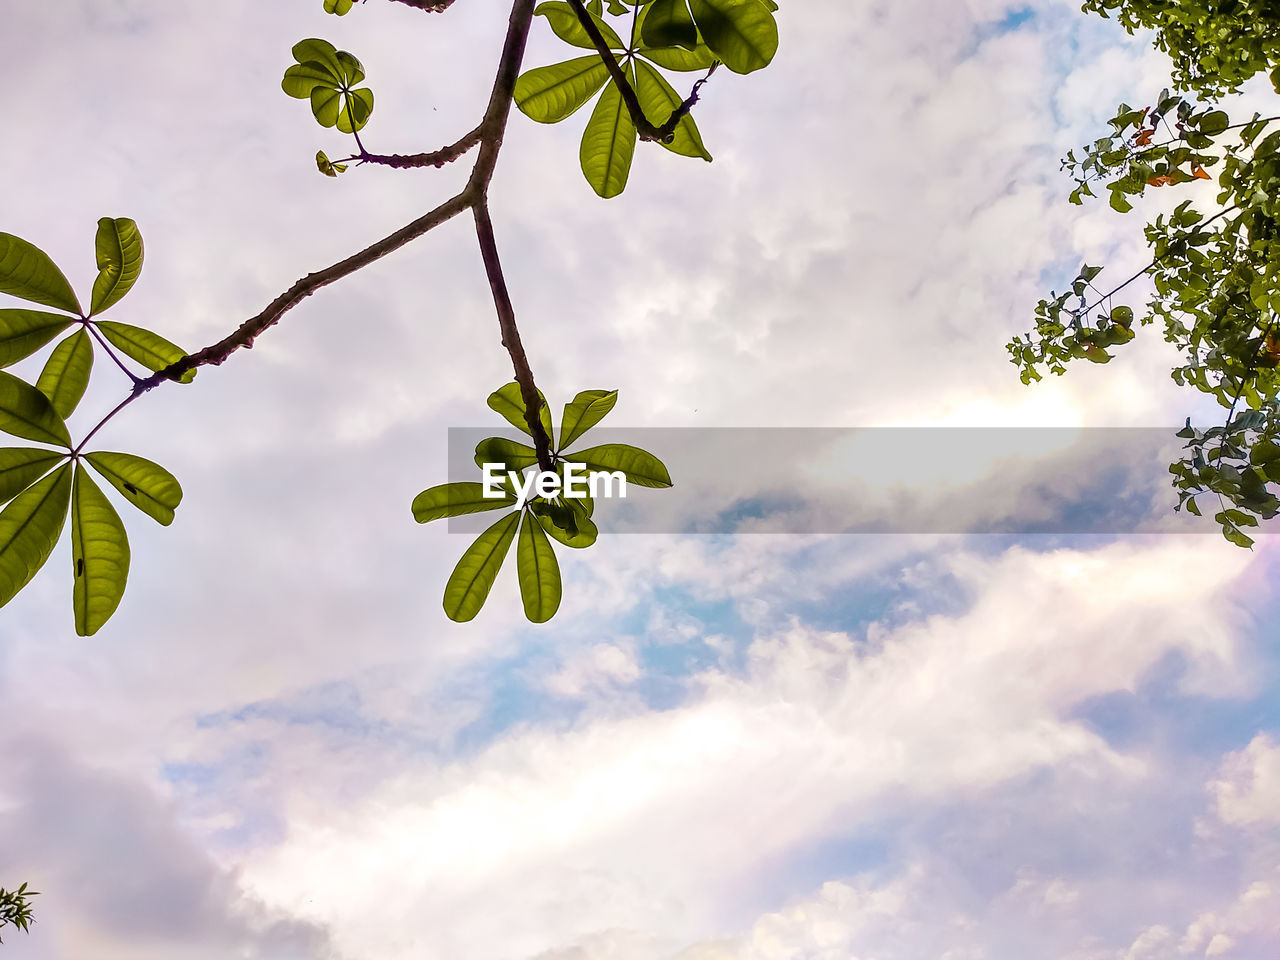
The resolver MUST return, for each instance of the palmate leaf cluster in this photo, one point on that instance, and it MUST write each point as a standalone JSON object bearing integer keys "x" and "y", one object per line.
{"x": 15, "y": 908}
{"x": 1216, "y": 279}
{"x": 41, "y": 485}
{"x": 568, "y": 520}
{"x": 674, "y": 35}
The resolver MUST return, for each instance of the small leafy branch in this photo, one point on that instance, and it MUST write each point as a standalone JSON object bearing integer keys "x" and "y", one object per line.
{"x": 15, "y": 908}
{"x": 1216, "y": 276}
{"x": 41, "y": 485}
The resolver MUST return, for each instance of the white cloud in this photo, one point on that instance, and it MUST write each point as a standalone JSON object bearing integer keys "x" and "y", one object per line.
{"x": 1248, "y": 790}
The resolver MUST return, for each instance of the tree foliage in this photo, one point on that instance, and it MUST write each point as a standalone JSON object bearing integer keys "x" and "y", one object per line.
{"x": 1215, "y": 263}
{"x": 15, "y": 908}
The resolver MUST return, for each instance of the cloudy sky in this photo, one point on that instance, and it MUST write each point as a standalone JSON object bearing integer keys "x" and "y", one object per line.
{"x": 727, "y": 746}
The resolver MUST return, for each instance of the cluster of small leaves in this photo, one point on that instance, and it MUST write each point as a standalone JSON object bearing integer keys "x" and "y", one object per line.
{"x": 1217, "y": 293}
{"x": 676, "y": 35}
{"x": 1215, "y": 45}
{"x": 329, "y": 78}
{"x": 15, "y": 909}
{"x": 566, "y": 519}
{"x": 40, "y": 485}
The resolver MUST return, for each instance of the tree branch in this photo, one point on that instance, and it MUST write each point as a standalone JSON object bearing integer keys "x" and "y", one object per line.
{"x": 437, "y": 158}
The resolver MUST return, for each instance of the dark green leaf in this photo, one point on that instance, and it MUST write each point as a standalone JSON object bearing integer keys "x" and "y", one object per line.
{"x": 538, "y": 571}
{"x": 742, "y": 33}
{"x": 99, "y": 554}
{"x": 565, "y": 24}
{"x": 150, "y": 349}
{"x": 549, "y": 94}
{"x": 148, "y": 486}
{"x": 22, "y": 466}
{"x": 23, "y": 332}
{"x": 668, "y": 23}
{"x": 639, "y": 466}
{"x": 66, "y": 373}
{"x": 26, "y": 412}
{"x": 508, "y": 401}
{"x": 659, "y": 99}
{"x": 609, "y": 142}
{"x": 457, "y": 499}
{"x": 571, "y": 523}
{"x": 587, "y": 409}
{"x": 119, "y": 252}
{"x": 473, "y": 577}
{"x": 27, "y": 272}
{"x": 29, "y": 529}
{"x": 327, "y": 166}
{"x": 510, "y": 454}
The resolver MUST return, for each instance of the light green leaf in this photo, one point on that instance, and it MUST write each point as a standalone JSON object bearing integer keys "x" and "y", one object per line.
{"x": 22, "y": 466}
{"x": 609, "y": 142}
{"x": 658, "y": 99}
{"x": 119, "y": 252}
{"x": 66, "y": 373}
{"x": 357, "y": 107}
{"x": 327, "y": 166}
{"x": 326, "y": 104}
{"x": 668, "y": 23}
{"x": 29, "y": 529}
{"x": 351, "y": 70}
{"x": 742, "y": 33}
{"x": 565, "y": 24}
{"x": 473, "y": 577}
{"x": 27, "y": 272}
{"x": 99, "y": 555}
{"x": 579, "y": 535}
{"x": 587, "y": 409}
{"x": 456, "y": 500}
{"x": 639, "y": 466}
{"x": 549, "y": 94}
{"x": 321, "y": 52}
{"x": 340, "y": 7}
{"x": 150, "y": 349}
{"x": 538, "y": 571}
{"x": 148, "y": 486}
{"x": 676, "y": 58}
{"x": 26, "y": 412}
{"x": 509, "y": 453}
{"x": 509, "y": 402}
{"x": 23, "y": 332}
{"x": 302, "y": 79}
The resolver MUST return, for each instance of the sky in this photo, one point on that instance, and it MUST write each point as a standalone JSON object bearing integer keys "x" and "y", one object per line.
{"x": 998, "y": 728}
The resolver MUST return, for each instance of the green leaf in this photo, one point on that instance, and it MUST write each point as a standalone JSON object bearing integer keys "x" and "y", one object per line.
{"x": 609, "y": 142}
{"x": 742, "y": 33}
{"x": 456, "y": 500}
{"x": 150, "y": 349}
{"x": 676, "y": 58}
{"x": 587, "y": 409}
{"x": 658, "y": 99}
{"x": 1123, "y": 316}
{"x": 29, "y": 530}
{"x": 26, "y": 412}
{"x": 509, "y": 453}
{"x": 27, "y": 272}
{"x": 565, "y": 24}
{"x": 99, "y": 554}
{"x": 326, "y": 104}
{"x": 639, "y": 466}
{"x": 1214, "y": 123}
{"x": 357, "y": 107}
{"x": 119, "y": 252}
{"x": 473, "y": 577}
{"x": 538, "y": 571}
{"x": 148, "y": 486}
{"x": 340, "y": 7}
{"x": 508, "y": 401}
{"x": 22, "y": 466}
{"x": 327, "y": 166}
{"x": 668, "y": 23}
{"x": 23, "y": 332}
{"x": 350, "y": 69}
{"x": 549, "y": 94}
{"x": 66, "y": 373}
{"x": 1236, "y": 535}
{"x": 302, "y": 79}
{"x": 575, "y": 529}
{"x": 320, "y": 52}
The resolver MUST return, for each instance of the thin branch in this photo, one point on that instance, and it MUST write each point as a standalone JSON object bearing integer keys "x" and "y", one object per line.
{"x": 644, "y": 127}
{"x": 429, "y": 6}
{"x": 97, "y": 334}
{"x": 511, "y": 335}
{"x": 437, "y": 158}
{"x": 248, "y": 331}
{"x": 137, "y": 392}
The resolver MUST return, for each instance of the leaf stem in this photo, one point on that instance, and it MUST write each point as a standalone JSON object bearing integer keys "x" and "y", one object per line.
{"x": 97, "y": 334}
